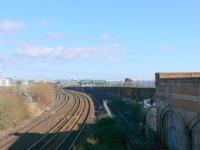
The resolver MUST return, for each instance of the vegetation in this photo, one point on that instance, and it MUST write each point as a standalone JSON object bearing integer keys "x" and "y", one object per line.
{"x": 12, "y": 111}
{"x": 130, "y": 106}
{"x": 14, "y": 107}
{"x": 43, "y": 93}
{"x": 105, "y": 136}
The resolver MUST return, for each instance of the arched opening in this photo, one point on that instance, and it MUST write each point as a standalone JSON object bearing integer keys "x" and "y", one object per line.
{"x": 150, "y": 118}
{"x": 165, "y": 129}
{"x": 195, "y": 136}
{"x": 173, "y": 131}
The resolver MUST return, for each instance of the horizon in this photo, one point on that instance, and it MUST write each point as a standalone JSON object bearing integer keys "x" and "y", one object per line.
{"x": 98, "y": 40}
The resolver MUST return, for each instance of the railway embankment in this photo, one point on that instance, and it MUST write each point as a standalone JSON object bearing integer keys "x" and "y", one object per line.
{"x": 59, "y": 128}
{"x": 19, "y": 104}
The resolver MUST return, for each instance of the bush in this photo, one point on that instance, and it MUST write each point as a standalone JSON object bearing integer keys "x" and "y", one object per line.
{"x": 43, "y": 93}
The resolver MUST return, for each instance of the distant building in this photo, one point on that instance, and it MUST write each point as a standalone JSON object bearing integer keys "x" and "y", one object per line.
{"x": 86, "y": 83}
{"x": 5, "y": 82}
{"x": 24, "y": 82}
{"x": 145, "y": 83}
{"x": 74, "y": 83}
{"x": 93, "y": 83}
{"x": 116, "y": 83}
{"x": 100, "y": 83}
{"x": 1, "y": 78}
{"x": 1, "y": 75}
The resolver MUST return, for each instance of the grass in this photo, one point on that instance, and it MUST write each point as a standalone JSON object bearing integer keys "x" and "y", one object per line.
{"x": 12, "y": 111}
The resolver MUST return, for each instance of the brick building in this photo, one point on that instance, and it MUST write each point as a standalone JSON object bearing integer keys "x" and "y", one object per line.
{"x": 178, "y": 110}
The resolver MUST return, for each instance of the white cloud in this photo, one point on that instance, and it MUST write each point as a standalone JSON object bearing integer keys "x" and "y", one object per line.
{"x": 167, "y": 48}
{"x": 7, "y": 62}
{"x": 64, "y": 53}
{"x": 105, "y": 37}
{"x": 7, "y": 26}
{"x": 113, "y": 60}
{"x": 44, "y": 22}
{"x": 54, "y": 35}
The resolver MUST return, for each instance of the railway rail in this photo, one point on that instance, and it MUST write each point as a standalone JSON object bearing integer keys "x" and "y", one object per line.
{"x": 127, "y": 130}
{"x": 60, "y": 128}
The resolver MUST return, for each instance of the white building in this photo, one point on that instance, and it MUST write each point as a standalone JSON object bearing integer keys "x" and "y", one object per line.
{"x": 4, "y": 82}
{"x": 1, "y": 78}
{"x": 7, "y": 82}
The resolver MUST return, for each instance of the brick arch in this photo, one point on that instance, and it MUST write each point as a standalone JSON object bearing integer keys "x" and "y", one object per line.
{"x": 194, "y": 120}
{"x": 146, "y": 113}
{"x": 171, "y": 124}
{"x": 169, "y": 108}
{"x": 153, "y": 123}
{"x": 194, "y": 141}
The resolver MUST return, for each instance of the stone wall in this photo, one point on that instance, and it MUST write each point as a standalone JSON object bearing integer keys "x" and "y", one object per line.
{"x": 127, "y": 92}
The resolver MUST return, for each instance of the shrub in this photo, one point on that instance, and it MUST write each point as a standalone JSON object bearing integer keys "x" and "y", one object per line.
{"x": 43, "y": 93}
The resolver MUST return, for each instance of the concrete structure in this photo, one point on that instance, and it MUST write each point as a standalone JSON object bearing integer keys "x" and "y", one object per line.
{"x": 178, "y": 110}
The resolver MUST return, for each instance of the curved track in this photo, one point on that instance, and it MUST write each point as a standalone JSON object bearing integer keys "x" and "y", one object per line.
{"x": 58, "y": 129}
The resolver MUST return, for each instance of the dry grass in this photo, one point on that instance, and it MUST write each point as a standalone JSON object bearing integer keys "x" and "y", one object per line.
{"x": 12, "y": 111}
{"x": 34, "y": 109}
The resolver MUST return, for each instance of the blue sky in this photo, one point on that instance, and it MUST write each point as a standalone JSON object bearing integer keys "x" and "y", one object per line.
{"x": 98, "y": 39}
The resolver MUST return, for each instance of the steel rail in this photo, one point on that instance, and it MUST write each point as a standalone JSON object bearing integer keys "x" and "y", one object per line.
{"x": 74, "y": 122}
{"x": 124, "y": 129}
{"x": 58, "y": 125}
{"x": 84, "y": 124}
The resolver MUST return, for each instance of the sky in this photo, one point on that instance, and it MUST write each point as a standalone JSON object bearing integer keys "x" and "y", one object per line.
{"x": 98, "y": 39}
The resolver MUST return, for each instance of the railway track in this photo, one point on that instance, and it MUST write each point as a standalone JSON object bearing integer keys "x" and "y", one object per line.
{"x": 46, "y": 139}
{"x": 127, "y": 130}
{"x": 60, "y": 129}
{"x": 69, "y": 141}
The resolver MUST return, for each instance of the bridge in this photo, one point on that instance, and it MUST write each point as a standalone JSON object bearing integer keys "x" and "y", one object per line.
{"x": 137, "y": 93}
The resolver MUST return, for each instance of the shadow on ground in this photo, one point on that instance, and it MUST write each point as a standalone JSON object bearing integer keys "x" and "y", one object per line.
{"x": 25, "y": 140}
{"x": 126, "y": 102}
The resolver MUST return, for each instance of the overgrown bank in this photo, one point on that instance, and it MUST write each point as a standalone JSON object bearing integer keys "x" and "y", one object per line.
{"x": 23, "y": 102}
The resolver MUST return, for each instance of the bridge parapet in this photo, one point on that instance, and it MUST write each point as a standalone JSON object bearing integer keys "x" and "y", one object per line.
{"x": 128, "y": 92}
{"x": 178, "y": 101}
